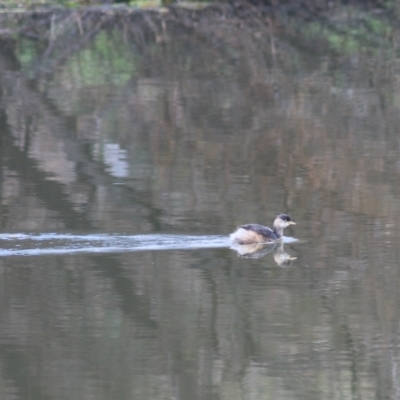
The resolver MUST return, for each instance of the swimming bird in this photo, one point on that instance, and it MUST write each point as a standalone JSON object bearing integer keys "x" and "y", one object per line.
{"x": 254, "y": 233}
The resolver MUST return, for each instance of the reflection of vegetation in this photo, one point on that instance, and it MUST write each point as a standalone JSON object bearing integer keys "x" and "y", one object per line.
{"x": 27, "y": 53}
{"x": 351, "y": 35}
{"x": 145, "y": 3}
{"x": 108, "y": 61}
{"x": 379, "y": 27}
{"x": 215, "y": 127}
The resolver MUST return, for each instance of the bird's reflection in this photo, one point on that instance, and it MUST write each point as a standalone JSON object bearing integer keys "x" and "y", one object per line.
{"x": 259, "y": 250}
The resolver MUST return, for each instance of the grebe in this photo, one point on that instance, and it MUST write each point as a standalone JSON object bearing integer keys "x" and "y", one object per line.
{"x": 254, "y": 233}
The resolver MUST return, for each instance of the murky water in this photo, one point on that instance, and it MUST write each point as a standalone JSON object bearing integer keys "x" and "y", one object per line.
{"x": 124, "y": 165}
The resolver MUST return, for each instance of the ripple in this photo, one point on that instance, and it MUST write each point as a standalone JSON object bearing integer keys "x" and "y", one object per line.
{"x": 23, "y": 244}
{"x": 26, "y": 244}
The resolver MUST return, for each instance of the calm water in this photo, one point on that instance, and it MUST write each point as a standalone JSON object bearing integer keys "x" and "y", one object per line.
{"x": 127, "y": 161}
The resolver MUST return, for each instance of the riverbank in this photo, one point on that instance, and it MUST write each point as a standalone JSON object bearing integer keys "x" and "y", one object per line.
{"x": 70, "y": 26}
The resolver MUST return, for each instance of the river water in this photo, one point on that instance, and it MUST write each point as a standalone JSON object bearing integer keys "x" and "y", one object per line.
{"x": 127, "y": 160}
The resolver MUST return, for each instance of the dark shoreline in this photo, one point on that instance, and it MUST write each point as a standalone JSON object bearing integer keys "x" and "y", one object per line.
{"x": 36, "y": 21}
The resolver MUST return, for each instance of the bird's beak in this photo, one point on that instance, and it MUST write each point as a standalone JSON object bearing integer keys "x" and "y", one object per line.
{"x": 292, "y": 223}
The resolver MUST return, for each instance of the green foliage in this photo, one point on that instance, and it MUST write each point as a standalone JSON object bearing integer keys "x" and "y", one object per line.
{"x": 145, "y": 3}
{"x": 378, "y": 26}
{"x": 27, "y": 53}
{"x": 363, "y": 30}
{"x": 108, "y": 61}
{"x": 27, "y": 4}
{"x": 30, "y": 4}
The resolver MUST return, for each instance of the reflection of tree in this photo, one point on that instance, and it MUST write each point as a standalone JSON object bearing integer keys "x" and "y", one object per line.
{"x": 59, "y": 157}
{"x": 166, "y": 123}
{"x": 216, "y": 126}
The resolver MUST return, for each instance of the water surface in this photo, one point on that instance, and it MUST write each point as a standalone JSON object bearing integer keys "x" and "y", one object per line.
{"x": 125, "y": 164}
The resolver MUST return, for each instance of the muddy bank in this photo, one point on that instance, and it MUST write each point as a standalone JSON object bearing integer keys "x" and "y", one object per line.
{"x": 50, "y": 22}
{"x": 58, "y": 32}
